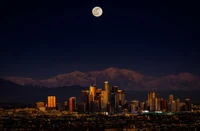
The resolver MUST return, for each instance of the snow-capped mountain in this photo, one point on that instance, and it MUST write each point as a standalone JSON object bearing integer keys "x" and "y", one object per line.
{"x": 125, "y": 79}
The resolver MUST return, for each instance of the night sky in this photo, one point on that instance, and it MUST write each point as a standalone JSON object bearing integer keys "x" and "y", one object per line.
{"x": 44, "y": 38}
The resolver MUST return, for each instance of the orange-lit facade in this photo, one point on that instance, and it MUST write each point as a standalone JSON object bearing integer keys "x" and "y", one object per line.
{"x": 39, "y": 104}
{"x": 106, "y": 86}
{"x": 121, "y": 97}
{"x": 72, "y": 104}
{"x": 92, "y": 93}
{"x": 51, "y": 102}
{"x": 151, "y": 101}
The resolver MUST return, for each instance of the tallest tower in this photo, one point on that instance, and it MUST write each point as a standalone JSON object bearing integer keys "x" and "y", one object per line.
{"x": 105, "y": 96}
{"x": 106, "y": 87}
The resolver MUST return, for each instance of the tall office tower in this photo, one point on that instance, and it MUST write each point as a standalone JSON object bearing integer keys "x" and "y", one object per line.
{"x": 114, "y": 99}
{"x": 134, "y": 105}
{"x": 39, "y": 104}
{"x": 85, "y": 99}
{"x": 98, "y": 97}
{"x": 104, "y": 96}
{"x": 106, "y": 87}
{"x": 187, "y": 104}
{"x": 66, "y": 105}
{"x": 135, "y": 102}
{"x": 92, "y": 93}
{"x": 142, "y": 105}
{"x": 157, "y": 104}
{"x": 96, "y": 106}
{"x": 85, "y": 96}
{"x": 163, "y": 105}
{"x": 173, "y": 106}
{"x": 121, "y": 97}
{"x": 151, "y": 101}
{"x": 114, "y": 89}
{"x": 171, "y": 98}
{"x": 72, "y": 104}
{"x": 51, "y": 102}
{"x": 177, "y": 104}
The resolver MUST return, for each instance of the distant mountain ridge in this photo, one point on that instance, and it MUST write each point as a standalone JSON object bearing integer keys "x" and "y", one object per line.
{"x": 125, "y": 79}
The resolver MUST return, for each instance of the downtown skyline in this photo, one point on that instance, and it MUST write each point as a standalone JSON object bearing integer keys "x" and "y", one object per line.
{"x": 112, "y": 99}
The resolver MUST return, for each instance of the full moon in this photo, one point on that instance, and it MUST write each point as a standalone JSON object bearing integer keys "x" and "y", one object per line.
{"x": 97, "y": 11}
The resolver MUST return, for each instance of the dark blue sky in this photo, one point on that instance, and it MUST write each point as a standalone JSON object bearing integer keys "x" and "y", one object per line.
{"x": 41, "y": 39}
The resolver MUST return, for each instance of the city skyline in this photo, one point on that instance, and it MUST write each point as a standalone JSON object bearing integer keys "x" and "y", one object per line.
{"x": 112, "y": 99}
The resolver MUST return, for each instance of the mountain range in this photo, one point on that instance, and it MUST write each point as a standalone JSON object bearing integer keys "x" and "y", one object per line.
{"x": 124, "y": 78}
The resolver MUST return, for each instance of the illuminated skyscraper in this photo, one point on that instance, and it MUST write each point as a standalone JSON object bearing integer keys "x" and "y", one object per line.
{"x": 187, "y": 105}
{"x": 85, "y": 96}
{"x": 163, "y": 105}
{"x": 92, "y": 93}
{"x": 171, "y": 98}
{"x": 106, "y": 87}
{"x": 121, "y": 97}
{"x": 177, "y": 104}
{"x": 98, "y": 98}
{"x": 114, "y": 98}
{"x": 142, "y": 105}
{"x": 72, "y": 104}
{"x": 85, "y": 99}
{"x": 114, "y": 89}
{"x": 173, "y": 106}
{"x": 39, "y": 104}
{"x": 51, "y": 102}
{"x": 104, "y": 96}
{"x": 134, "y": 105}
{"x": 151, "y": 100}
{"x": 157, "y": 104}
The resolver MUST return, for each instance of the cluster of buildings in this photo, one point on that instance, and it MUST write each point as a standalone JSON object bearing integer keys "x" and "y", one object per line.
{"x": 112, "y": 100}
{"x": 171, "y": 105}
{"x": 102, "y": 100}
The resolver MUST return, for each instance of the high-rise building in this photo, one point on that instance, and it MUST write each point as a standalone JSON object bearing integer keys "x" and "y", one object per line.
{"x": 85, "y": 100}
{"x": 187, "y": 104}
{"x": 51, "y": 102}
{"x": 142, "y": 105}
{"x": 106, "y": 87}
{"x": 157, "y": 104}
{"x": 135, "y": 102}
{"x": 151, "y": 101}
{"x": 134, "y": 105}
{"x": 163, "y": 105}
{"x": 85, "y": 96}
{"x": 177, "y": 104}
{"x": 72, "y": 104}
{"x": 104, "y": 96}
{"x": 39, "y": 104}
{"x": 173, "y": 106}
{"x": 121, "y": 97}
{"x": 114, "y": 98}
{"x": 66, "y": 105}
{"x": 171, "y": 98}
{"x": 92, "y": 93}
{"x": 114, "y": 89}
